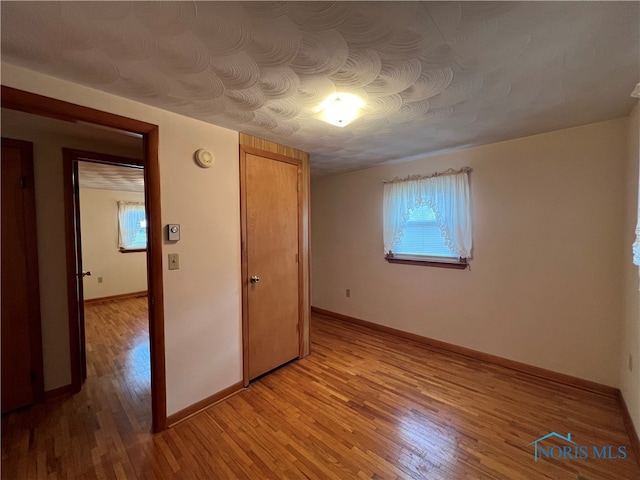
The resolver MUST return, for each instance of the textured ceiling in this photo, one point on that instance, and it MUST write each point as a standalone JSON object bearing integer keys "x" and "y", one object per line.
{"x": 434, "y": 76}
{"x": 110, "y": 177}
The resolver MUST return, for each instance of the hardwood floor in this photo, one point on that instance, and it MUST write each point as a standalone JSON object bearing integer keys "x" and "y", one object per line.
{"x": 89, "y": 435}
{"x": 363, "y": 405}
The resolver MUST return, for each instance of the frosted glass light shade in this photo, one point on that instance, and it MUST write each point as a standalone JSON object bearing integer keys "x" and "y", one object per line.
{"x": 340, "y": 109}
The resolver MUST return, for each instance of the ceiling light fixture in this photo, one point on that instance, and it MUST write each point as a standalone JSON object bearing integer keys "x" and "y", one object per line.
{"x": 340, "y": 109}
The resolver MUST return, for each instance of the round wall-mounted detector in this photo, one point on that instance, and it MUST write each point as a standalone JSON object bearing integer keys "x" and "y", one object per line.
{"x": 204, "y": 158}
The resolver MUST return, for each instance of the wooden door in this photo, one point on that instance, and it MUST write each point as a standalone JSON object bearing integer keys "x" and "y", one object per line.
{"x": 272, "y": 268}
{"x": 22, "y": 382}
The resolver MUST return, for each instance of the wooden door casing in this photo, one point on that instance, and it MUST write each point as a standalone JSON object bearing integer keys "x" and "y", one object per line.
{"x": 22, "y": 368}
{"x": 79, "y": 277}
{"x": 23, "y": 101}
{"x": 251, "y": 147}
{"x": 272, "y": 256}
{"x": 260, "y": 146}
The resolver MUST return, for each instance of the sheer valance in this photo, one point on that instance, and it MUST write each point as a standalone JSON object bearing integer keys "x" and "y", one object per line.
{"x": 446, "y": 193}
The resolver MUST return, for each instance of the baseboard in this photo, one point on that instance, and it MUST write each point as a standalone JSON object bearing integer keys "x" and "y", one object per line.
{"x": 121, "y": 296}
{"x": 628, "y": 423}
{"x": 182, "y": 415}
{"x": 485, "y": 357}
{"x": 58, "y": 392}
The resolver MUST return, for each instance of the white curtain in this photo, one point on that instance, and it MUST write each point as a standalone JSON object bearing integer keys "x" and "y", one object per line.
{"x": 446, "y": 193}
{"x": 131, "y": 217}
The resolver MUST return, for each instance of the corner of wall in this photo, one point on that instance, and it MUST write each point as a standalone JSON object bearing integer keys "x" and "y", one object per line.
{"x": 629, "y": 373}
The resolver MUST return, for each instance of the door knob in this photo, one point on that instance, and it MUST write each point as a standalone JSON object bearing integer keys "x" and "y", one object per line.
{"x": 86, "y": 274}
{"x": 255, "y": 279}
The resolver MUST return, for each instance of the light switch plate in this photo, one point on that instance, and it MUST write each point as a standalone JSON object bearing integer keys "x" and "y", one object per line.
{"x": 174, "y": 261}
{"x": 173, "y": 230}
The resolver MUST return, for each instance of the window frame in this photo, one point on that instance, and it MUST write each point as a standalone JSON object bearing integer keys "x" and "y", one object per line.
{"x": 132, "y": 250}
{"x": 426, "y": 261}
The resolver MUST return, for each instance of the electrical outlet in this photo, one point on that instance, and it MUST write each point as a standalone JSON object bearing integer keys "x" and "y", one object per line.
{"x": 99, "y": 279}
{"x": 174, "y": 261}
{"x": 348, "y": 292}
{"x": 630, "y": 363}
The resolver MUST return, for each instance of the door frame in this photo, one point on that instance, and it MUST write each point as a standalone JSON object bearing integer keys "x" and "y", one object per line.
{"x": 28, "y": 102}
{"x": 244, "y": 151}
{"x": 33, "y": 275}
{"x": 71, "y": 186}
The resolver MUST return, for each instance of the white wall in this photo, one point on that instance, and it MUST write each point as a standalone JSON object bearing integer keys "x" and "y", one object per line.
{"x": 630, "y": 379}
{"x": 546, "y": 275}
{"x": 201, "y": 300}
{"x": 120, "y": 272}
{"x": 47, "y": 163}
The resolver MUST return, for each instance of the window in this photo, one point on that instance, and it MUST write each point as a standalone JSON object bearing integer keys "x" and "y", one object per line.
{"x": 422, "y": 236}
{"x": 132, "y": 226}
{"x": 427, "y": 219}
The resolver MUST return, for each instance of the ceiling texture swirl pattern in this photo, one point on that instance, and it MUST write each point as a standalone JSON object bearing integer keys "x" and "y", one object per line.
{"x": 434, "y": 76}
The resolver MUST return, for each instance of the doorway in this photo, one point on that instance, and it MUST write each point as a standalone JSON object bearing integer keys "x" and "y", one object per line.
{"x": 108, "y": 216}
{"x": 114, "y": 327}
{"x": 18, "y": 100}
{"x": 109, "y": 184}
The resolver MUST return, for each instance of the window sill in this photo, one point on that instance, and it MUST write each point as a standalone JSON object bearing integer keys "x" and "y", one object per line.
{"x": 456, "y": 264}
{"x": 132, "y": 250}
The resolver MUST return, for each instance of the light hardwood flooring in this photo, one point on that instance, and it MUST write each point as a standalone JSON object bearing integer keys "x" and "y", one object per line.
{"x": 363, "y": 405}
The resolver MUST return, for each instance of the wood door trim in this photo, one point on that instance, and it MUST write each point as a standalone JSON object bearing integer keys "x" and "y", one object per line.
{"x": 271, "y": 155}
{"x": 154, "y": 279}
{"x": 300, "y": 262}
{"x": 72, "y": 301}
{"x": 15, "y": 99}
{"x": 23, "y": 101}
{"x": 33, "y": 275}
{"x": 244, "y": 267}
{"x": 244, "y": 151}
{"x": 305, "y": 188}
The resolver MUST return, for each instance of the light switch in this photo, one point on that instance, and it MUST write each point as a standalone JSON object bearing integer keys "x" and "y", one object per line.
{"x": 174, "y": 261}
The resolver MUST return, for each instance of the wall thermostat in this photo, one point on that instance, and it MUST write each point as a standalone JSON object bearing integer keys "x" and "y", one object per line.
{"x": 204, "y": 158}
{"x": 173, "y": 231}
